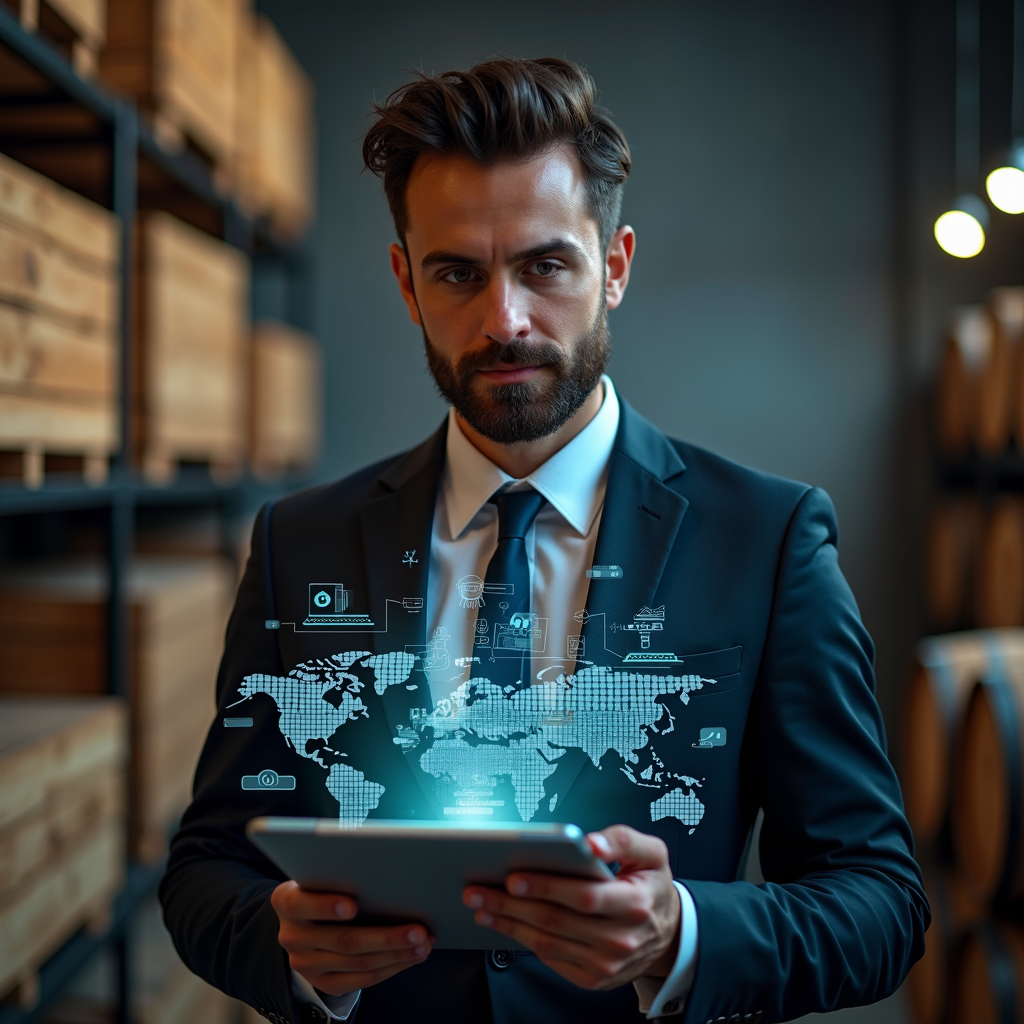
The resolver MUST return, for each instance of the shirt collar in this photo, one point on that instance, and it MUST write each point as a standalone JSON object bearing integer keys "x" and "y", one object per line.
{"x": 573, "y": 480}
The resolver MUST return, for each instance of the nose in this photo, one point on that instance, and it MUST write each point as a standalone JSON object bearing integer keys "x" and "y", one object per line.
{"x": 505, "y": 314}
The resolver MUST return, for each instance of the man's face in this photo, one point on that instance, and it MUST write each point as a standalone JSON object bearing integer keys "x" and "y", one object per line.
{"x": 506, "y": 277}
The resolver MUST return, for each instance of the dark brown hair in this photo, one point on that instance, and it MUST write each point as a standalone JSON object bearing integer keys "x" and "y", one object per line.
{"x": 503, "y": 109}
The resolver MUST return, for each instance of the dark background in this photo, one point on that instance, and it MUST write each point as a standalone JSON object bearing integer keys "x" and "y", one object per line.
{"x": 787, "y": 299}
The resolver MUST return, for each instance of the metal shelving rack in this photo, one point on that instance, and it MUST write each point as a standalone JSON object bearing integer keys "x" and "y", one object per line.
{"x": 129, "y": 141}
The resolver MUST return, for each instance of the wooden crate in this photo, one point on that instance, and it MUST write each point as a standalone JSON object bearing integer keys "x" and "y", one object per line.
{"x": 62, "y": 824}
{"x": 285, "y": 404}
{"x": 276, "y": 130}
{"x": 53, "y": 640}
{"x": 78, "y": 27}
{"x": 59, "y": 257}
{"x": 179, "y": 59}
{"x": 193, "y": 387}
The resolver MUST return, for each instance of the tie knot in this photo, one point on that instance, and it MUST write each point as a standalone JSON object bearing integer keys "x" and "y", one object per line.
{"x": 516, "y": 511}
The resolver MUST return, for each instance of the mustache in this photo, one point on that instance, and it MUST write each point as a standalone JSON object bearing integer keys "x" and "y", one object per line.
{"x": 513, "y": 353}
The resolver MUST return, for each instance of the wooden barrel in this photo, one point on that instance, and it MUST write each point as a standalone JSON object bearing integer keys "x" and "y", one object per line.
{"x": 951, "y": 550}
{"x": 994, "y": 404}
{"x": 967, "y": 348}
{"x": 988, "y": 782}
{"x": 988, "y": 976}
{"x": 999, "y": 599}
{"x": 942, "y": 676}
{"x": 954, "y": 911}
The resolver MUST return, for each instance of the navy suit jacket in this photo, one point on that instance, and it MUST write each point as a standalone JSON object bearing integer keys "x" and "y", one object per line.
{"x": 747, "y": 568}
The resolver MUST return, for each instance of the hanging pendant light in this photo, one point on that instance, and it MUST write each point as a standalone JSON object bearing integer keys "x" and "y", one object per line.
{"x": 960, "y": 231}
{"x": 1005, "y": 185}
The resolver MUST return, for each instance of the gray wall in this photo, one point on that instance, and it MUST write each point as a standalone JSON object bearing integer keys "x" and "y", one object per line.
{"x": 771, "y": 315}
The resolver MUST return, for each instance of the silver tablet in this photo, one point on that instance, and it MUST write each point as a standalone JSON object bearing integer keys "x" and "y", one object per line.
{"x": 407, "y": 871}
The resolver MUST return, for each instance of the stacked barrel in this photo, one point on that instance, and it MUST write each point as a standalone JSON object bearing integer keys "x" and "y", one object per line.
{"x": 974, "y": 559}
{"x": 963, "y": 780}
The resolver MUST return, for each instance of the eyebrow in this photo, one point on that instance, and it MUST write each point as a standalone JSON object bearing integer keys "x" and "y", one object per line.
{"x": 548, "y": 248}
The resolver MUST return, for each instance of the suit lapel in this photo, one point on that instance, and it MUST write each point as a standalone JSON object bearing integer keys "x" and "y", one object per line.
{"x": 396, "y": 533}
{"x": 639, "y": 524}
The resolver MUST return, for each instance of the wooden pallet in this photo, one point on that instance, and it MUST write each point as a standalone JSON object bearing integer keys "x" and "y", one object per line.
{"x": 62, "y": 827}
{"x": 276, "y": 130}
{"x": 53, "y": 641}
{"x": 285, "y": 403}
{"x": 58, "y": 326}
{"x": 178, "y": 58}
{"x": 78, "y": 27}
{"x": 192, "y": 394}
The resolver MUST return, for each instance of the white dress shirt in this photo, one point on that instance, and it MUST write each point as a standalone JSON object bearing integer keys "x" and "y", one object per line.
{"x": 560, "y": 548}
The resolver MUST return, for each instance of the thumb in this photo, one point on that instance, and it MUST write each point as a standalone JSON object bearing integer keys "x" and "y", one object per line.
{"x": 630, "y": 848}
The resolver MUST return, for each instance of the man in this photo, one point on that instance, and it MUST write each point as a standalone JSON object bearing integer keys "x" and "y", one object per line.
{"x": 548, "y": 611}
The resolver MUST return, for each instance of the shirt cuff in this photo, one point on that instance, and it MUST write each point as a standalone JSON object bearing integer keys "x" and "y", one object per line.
{"x": 666, "y": 997}
{"x": 336, "y": 1007}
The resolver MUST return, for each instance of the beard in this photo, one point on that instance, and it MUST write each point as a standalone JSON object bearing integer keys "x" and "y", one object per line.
{"x": 513, "y": 413}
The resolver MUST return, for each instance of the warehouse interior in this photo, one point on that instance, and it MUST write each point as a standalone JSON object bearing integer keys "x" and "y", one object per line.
{"x": 791, "y": 308}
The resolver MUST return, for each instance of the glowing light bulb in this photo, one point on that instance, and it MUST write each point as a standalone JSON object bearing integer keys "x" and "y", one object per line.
{"x": 1005, "y": 187}
{"x": 961, "y": 231}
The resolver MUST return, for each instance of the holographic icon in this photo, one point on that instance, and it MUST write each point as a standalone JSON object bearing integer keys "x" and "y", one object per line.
{"x": 328, "y": 605}
{"x": 481, "y": 625}
{"x": 410, "y": 559}
{"x": 268, "y": 779}
{"x": 605, "y": 572}
{"x": 237, "y": 723}
{"x": 436, "y": 656}
{"x": 645, "y": 622}
{"x": 711, "y": 736}
{"x": 575, "y": 647}
{"x": 503, "y": 605}
{"x": 471, "y": 592}
{"x": 525, "y": 631}
{"x": 582, "y": 616}
{"x": 412, "y": 604}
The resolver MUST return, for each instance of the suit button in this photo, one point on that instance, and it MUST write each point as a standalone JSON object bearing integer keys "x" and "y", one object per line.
{"x": 672, "y": 1006}
{"x": 501, "y": 959}
{"x": 317, "y": 1014}
{"x": 736, "y": 1018}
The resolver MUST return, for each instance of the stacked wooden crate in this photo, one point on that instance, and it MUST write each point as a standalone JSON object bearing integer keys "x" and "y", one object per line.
{"x": 962, "y": 774}
{"x": 62, "y": 826}
{"x": 52, "y": 641}
{"x": 285, "y": 404}
{"x": 192, "y": 393}
{"x": 77, "y": 26}
{"x": 59, "y": 266}
{"x": 276, "y": 133}
{"x": 179, "y": 59}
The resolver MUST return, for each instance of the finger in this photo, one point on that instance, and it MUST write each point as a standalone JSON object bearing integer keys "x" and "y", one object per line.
{"x": 352, "y": 940}
{"x": 603, "y": 899}
{"x": 291, "y": 901}
{"x": 342, "y": 983}
{"x": 553, "y": 920}
{"x": 322, "y": 961}
{"x": 545, "y": 945}
{"x": 633, "y": 850}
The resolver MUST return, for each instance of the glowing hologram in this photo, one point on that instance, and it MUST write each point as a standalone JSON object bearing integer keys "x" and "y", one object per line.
{"x": 410, "y": 559}
{"x": 356, "y": 795}
{"x": 575, "y": 647}
{"x": 471, "y": 592}
{"x": 711, "y": 736}
{"x": 605, "y": 572}
{"x": 677, "y": 804}
{"x": 268, "y": 779}
{"x": 237, "y": 723}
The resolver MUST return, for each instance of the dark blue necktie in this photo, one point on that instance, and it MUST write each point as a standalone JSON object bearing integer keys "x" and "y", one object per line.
{"x": 506, "y": 631}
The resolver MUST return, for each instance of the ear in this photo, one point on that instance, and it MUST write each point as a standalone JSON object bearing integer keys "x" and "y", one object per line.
{"x": 400, "y": 268}
{"x": 616, "y": 266}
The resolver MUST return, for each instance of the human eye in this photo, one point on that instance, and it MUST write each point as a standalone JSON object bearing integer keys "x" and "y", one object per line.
{"x": 458, "y": 275}
{"x": 545, "y": 268}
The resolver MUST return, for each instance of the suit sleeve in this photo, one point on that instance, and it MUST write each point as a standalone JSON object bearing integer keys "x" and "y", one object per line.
{"x": 216, "y": 890}
{"x": 842, "y": 915}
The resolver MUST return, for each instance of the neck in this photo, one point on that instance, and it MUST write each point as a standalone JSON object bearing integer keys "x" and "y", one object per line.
{"x": 520, "y": 460}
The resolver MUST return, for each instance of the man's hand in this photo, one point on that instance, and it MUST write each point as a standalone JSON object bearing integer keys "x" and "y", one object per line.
{"x": 598, "y": 935}
{"x": 338, "y": 958}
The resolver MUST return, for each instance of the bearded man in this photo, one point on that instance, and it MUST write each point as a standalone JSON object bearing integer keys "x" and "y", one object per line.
{"x": 682, "y": 620}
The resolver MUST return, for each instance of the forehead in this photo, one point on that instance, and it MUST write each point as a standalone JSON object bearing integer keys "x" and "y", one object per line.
{"x": 454, "y": 201}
